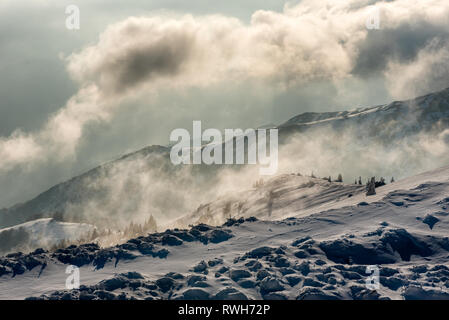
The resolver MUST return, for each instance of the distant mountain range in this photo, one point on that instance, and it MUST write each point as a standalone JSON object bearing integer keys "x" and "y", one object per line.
{"x": 429, "y": 113}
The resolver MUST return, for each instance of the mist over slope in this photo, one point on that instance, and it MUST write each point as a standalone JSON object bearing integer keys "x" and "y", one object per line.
{"x": 290, "y": 195}
{"x": 399, "y": 139}
{"x": 42, "y": 233}
{"x": 402, "y": 230}
{"x": 274, "y": 199}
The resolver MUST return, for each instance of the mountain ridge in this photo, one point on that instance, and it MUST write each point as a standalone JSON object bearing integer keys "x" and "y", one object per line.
{"x": 386, "y": 123}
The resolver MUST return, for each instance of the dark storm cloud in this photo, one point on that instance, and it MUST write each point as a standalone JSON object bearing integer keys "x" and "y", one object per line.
{"x": 428, "y": 72}
{"x": 400, "y": 44}
{"x": 161, "y": 58}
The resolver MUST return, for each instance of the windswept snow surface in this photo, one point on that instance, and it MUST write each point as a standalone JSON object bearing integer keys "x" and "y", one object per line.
{"x": 314, "y": 245}
{"x": 298, "y": 196}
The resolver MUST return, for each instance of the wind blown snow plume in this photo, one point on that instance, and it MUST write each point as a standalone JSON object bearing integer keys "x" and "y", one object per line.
{"x": 426, "y": 71}
{"x": 327, "y": 153}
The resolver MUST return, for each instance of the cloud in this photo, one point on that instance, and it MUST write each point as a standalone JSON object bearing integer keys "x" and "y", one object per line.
{"x": 313, "y": 41}
{"x": 401, "y": 44}
{"x": 199, "y": 51}
{"x": 429, "y": 71}
{"x": 310, "y": 41}
{"x": 61, "y": 134}
{"x": 134, "y": 52}
{"x": 325, "y": 152}
{"x": 18, "y": 149}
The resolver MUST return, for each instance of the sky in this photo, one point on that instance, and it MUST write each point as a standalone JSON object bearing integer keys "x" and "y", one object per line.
{"x": 136, "y": 70}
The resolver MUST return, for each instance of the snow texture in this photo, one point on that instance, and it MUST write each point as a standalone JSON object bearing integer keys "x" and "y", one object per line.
{"x": 321, "y": 252}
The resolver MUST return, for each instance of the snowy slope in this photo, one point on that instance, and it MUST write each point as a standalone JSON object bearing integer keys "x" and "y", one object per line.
{"x": 407, "y": 116}
{"x": 298, "y": 196}
{"x": 320, "y": 235}
{"x": 277, "y": 198}
{"x": 320, "y": 252}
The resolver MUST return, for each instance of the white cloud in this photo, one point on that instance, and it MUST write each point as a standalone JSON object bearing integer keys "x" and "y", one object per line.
{"x": 429, "y": 71}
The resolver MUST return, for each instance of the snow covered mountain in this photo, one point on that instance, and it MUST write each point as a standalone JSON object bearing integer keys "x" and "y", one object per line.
{"x": 320, "y": 253}
{"x": 399, "y": 139}
{"x": 291, "y": 236}
{"x": 429, "y": 113}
